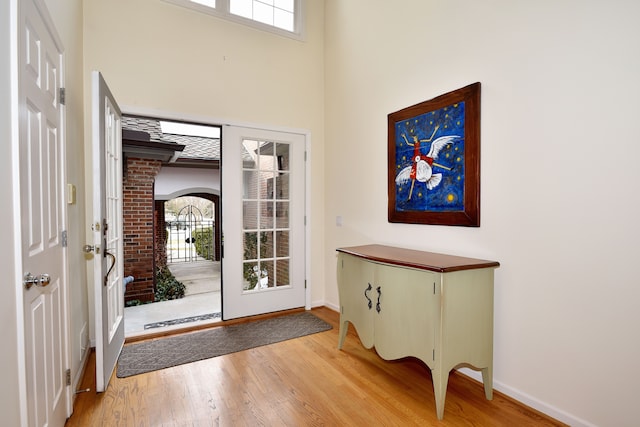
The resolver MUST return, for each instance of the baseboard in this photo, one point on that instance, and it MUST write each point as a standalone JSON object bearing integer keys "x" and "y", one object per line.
{"x": 509, "y": 391}
{"x": 529, "y": 401}
{"x": 325, "y": 304}
{"x": 80, "y": 375}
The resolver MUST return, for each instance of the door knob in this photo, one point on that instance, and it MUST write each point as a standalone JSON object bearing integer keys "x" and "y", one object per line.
{"x": 30, "y": 280}
{"x": 89, "y": 248}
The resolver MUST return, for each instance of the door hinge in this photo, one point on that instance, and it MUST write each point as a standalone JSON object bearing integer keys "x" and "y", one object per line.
{"x": 434, "y": 288}
{"x": 63, "y": 96}
{"x": 305, "y": 156}
{"x": 63, "y": 237}
{"x": 305, "y": 283}
{"x": 68, "y": 375}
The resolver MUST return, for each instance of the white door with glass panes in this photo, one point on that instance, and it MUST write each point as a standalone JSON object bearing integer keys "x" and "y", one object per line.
{"x": 108, "y": 249}
{"x": 263, "y": 209}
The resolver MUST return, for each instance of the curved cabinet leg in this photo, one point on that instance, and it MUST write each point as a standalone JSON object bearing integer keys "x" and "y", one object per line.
{"x": 344, "y": 327}
{"x": 440, "y": 381}
{"x": 487, "y": 380}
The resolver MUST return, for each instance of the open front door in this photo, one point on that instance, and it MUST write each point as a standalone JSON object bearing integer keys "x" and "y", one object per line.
{"x": 263, "y": 200}
{"x": 107, "y": 230}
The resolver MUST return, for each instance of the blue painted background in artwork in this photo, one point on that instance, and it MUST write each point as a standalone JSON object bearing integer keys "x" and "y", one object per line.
{"x": 448, "y": 195}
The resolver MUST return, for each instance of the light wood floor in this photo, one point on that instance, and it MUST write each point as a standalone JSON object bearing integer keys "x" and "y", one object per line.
{"x": 300, "y": 382}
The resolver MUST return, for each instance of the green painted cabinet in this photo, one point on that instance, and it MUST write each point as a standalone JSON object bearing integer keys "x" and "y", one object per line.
{"x": 437, "y": 308}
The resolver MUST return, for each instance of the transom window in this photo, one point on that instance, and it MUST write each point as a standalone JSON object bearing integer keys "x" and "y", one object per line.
{"x": 279, "y": 16}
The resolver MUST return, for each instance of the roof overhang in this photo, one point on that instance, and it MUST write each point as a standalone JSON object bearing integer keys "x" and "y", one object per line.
{"x": 138, "y": 144}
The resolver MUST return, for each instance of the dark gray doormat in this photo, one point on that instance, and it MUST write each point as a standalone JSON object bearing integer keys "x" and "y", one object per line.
{"x": 172, "y": 351}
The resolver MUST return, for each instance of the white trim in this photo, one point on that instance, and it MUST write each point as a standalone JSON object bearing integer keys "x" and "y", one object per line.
{"x": 529, "y": 400}
{"x": 213, "y": 121}
{"x": 65, "y": 221}
{"x": 132, "y": 110}
{"x": 307, "y": 220}
{"x": 222, "y": 11}
{"x": 15, "y": 14}
{"x": 326, "y": 304}
{"x": 84, "y": 361}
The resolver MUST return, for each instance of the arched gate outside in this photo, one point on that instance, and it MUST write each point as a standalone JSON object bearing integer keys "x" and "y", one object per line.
{"x": 190, "y": 237}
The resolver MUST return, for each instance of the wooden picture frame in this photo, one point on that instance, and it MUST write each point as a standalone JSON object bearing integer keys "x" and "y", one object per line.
{"x": 434, "y": 160}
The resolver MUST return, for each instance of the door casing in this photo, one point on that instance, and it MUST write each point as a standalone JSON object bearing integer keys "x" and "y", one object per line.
{"x": 217, "y": 121}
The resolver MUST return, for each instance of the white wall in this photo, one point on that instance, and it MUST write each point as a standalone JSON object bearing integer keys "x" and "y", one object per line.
{"x": 560, "y": 200}
{"x": 171, "y": 182}
{"x": 169, "y": 60}
{"x": 68, "y": 20}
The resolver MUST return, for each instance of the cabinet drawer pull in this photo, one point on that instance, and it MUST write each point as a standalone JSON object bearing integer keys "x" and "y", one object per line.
{"x": 370, "y": 304}
{"x": 378, "y": 303}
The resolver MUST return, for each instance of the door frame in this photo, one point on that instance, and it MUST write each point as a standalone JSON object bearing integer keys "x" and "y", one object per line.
{"x": 16, "y": 9}
{"x": 214, "y": 121}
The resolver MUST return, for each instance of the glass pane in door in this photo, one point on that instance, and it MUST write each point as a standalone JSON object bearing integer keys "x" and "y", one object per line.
{"x": 265, "y": 222}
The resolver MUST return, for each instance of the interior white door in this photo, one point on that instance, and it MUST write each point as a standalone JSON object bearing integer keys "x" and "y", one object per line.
{"x": 43, "y": 213}
{"x": 263, "y": 202}
{"x": 107, "y": 227}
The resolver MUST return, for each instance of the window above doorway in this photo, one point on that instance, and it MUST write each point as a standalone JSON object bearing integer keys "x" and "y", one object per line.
{"x": 283, "y": 17}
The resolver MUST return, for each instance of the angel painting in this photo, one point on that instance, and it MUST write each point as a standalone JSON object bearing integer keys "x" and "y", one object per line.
{"x": 433, "y": 173}
{"x": 421, "y": 168}
{"x": 429, "y": 161}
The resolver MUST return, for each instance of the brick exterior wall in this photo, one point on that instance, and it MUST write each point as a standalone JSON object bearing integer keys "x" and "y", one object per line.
{"x": 138, "y": 227}
{"x": 160, "y": 226}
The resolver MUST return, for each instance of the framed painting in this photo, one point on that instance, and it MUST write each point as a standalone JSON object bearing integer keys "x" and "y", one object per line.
{"x": 434, "y": 160}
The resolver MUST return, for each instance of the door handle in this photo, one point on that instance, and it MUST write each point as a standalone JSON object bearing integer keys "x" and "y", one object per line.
{"x": 42, "y": 280}
{"x": 367, "y": 296}
{"x": 90, "y": 248}
{"x": 113, "y": 264}
{"x": 378, "y": 303}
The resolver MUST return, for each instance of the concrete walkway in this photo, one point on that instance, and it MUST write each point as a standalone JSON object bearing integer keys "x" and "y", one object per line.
{"x": 198, "y": 277}
{"x": 202, "y": 297}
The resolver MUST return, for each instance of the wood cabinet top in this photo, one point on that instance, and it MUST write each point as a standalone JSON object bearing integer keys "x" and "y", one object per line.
{"x": 417, "y": 259}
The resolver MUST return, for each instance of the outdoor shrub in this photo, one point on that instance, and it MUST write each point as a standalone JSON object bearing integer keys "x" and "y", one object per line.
{"x": 167, "y": 286}
{"x": 204, "y": 242}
